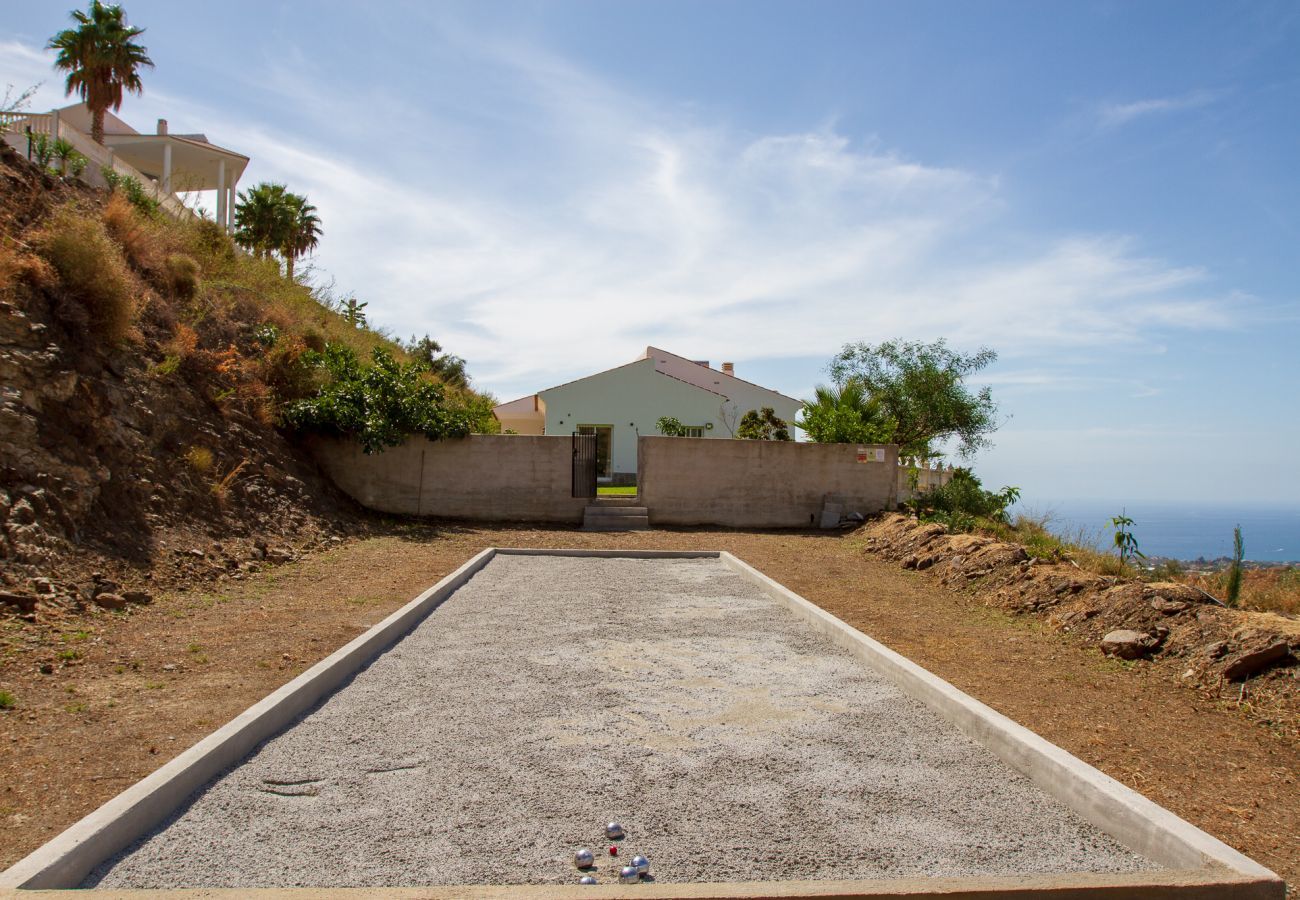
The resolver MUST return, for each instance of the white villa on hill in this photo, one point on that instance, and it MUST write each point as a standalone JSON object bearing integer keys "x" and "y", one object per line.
{"x": 622, "y": 403}
{"x": 163, "y": 162}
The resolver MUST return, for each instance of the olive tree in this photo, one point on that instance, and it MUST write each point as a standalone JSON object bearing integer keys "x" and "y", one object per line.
{"x": 921, "y": 392}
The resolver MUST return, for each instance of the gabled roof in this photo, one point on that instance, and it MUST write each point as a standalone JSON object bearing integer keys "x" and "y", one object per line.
{"x": 678, "y": 368}
{"x": 700, "y": 375}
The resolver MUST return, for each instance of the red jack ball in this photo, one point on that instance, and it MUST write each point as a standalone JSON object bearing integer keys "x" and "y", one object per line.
{"x": 613, "y": 850}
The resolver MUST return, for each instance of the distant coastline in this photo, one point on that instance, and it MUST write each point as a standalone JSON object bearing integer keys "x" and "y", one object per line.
{"x": 1197, "y": 535}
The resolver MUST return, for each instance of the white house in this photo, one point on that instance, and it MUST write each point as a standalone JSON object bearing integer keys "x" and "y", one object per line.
{"x": 622, "y": 403}
{"x": 165, "y": 163}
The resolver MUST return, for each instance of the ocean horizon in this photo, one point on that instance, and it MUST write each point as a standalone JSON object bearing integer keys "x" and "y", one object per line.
{"x": 1187, "y": 532}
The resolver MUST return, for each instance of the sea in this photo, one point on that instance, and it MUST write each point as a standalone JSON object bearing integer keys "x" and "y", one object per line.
{"x": 1180, "y": 531}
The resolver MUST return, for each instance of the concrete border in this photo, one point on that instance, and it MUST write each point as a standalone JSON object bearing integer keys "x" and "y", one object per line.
{"x": 68, "y": 858}
{"x": 1121, "y": 812}
{"x": 1200, "y": 867}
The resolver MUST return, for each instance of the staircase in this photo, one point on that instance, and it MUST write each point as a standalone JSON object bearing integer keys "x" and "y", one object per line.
{"x": 615, "y": 514}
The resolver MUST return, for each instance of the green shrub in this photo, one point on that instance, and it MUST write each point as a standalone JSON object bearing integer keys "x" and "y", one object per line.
{"x": 963, "y": 498}
{"x": 7, "y": 700}
{"x": 131, "y": 188}
{"x": 182, "y": 274}
{"x": 381, "y": 404}
{"x": 670, "y": 426}
{"x": 92, "y": 271}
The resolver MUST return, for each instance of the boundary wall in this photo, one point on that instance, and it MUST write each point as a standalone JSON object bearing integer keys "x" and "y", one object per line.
{"x": 488, "y": 477}
{"x": 761, "y": 484}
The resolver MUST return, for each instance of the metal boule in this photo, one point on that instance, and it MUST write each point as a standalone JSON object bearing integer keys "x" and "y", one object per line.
{"x": 584, "y": 858}
{"x": 614, "y": 831}
{"x": 641, "y": 864}
{"x": 628, "y": 875}
{"x": 586, "y": 879}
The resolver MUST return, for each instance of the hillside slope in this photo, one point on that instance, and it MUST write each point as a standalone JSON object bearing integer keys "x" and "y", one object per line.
{"x": 141, "y": 365}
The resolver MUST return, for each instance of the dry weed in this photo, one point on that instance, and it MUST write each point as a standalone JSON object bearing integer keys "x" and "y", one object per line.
{"x": 199, "y": 458}
{"x": 140, "y": 242}
{"x": 94, "y": 275}
{"x": 221, "y": 487}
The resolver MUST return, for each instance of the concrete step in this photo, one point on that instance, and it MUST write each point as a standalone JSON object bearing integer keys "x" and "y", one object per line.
{"x": 600, "y": 517}
{"x": 616, "y": 523}
{"x": 616, "y": 511}
{"x": 615, "y": 501}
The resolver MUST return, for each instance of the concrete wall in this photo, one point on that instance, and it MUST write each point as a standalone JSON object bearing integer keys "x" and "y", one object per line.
{"x": 490, "y": 477}
{"x": 760, "y": 484}
{"x": 927, "y": 479}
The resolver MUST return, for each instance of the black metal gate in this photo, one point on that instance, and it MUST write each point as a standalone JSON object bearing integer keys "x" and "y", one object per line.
{"x": 584, "y": 465}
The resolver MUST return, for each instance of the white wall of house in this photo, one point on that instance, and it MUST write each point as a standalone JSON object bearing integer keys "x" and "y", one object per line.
{"x": 631, "y": 399}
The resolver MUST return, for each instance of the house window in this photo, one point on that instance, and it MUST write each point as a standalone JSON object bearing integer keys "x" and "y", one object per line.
{"x": 693, "y": 431}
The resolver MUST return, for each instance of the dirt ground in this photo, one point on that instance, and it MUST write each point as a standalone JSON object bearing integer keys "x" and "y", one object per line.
{"x": 127, "y": 691}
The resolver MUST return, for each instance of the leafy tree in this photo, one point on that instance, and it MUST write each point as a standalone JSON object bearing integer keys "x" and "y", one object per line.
{"x": 384, "y": 403}
{"x": 763, "y": 425}
{"x": 670, "y": 426}
{"x": 845, "y": 414}
{"x": 921, "y": 392}
{"x": 102, "y": 60}
{"x": 302, "y": 232}
{"x": 447, "y": 366}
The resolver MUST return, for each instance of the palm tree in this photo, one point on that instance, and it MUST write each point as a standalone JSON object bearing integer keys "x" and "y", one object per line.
{"x": 101, "y": 59}
{"x": 262, "y": 218}
{"x": 845, "y": 414}
{"x": 303, "y": 233}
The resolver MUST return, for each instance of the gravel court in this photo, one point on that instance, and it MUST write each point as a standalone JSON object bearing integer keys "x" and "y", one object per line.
{"x": 551, "y": 694}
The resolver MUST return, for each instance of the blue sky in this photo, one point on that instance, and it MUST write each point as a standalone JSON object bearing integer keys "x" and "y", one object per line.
{"x": 1105, "y": 193}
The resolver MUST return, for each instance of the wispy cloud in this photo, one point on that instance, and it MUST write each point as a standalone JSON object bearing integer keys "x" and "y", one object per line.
{"x": 1112, "y": 115}
{"x": 550, "y": 223}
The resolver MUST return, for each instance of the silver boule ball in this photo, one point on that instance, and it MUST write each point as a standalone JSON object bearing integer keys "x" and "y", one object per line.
{"x": 614, "y": 831}
{"x": 641, "y": 864}
{"x": 586, "y": 879}
{"x": 584, "y": 858}
{"x": 628, "y": 875}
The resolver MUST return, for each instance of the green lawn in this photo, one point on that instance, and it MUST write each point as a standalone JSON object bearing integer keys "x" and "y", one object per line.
{"x": 606, "y": 490}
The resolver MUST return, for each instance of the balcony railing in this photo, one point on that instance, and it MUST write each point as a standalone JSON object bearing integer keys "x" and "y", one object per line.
{"x": 23, "y": 124}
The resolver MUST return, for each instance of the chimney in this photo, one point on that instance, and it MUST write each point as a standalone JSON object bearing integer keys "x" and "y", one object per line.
{"x": 162, "y": 126}
{"x": 729, "y": 369}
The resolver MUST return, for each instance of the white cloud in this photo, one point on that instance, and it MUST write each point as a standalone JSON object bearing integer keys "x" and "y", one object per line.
{"x": 591, "y": 222}
{"x": 1111, "y": 115}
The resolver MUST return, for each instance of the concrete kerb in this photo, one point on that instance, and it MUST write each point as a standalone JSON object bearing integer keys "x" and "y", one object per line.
{"x": 1200, "y": 866}
{"x": 1121, "y": 812}
{"x": 67, "y": 859}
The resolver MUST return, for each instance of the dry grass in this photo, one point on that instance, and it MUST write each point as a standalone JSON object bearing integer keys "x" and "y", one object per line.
{"x": 182, "y": 276}
{"x": 199, "y": 458}
{"x": 1275, "y": 589}
{"x": 221, "y": 487}
{"x": 1079, "y": 548}
{"x": 11, "y": 268}
{"x": 95, "y": 277}
{"x": 141, "y": 240}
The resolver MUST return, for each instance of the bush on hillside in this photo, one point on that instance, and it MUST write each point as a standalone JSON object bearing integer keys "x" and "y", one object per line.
{"x": 963, "y": 500}
{"x": 381, "y": 404}
{"x": 95, "y": 279}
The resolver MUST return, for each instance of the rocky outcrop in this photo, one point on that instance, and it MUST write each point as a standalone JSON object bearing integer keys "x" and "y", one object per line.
{"x": 1125, "y": 618}
{"x": 96, "y": 442}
